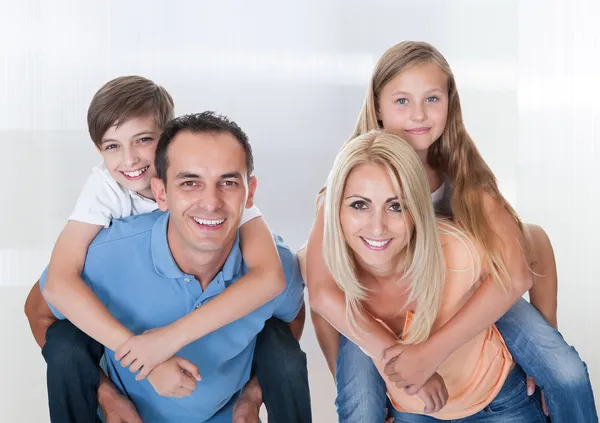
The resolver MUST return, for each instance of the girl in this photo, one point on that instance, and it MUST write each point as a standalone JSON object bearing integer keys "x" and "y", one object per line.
{"x": 412, "y": 93}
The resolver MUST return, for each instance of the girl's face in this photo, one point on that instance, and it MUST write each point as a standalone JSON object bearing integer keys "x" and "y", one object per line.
{"x": 414, "y": 105}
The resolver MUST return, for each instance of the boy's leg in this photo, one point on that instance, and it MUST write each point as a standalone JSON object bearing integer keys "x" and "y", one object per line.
{"x": 73, "y": 375}
{"x": 280, "y": 367}
{"x": 361, "y": 392}
{"x": 557, "y": 368}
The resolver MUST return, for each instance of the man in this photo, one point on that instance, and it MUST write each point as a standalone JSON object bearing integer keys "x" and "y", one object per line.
{"x": 150, "y": 270}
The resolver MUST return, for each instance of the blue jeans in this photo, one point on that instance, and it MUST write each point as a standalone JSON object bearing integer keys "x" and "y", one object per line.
{"x": 73, "y": 358}
{"x": 534, "y": 344}
{"x": 511, "y": 405}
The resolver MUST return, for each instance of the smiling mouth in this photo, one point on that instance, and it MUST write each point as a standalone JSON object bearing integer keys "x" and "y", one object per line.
{"x": 209, "y": 224}
{"x": 418, "y": 131}
{"x": 377, "y": 245}
{"x": 135, "y": 174}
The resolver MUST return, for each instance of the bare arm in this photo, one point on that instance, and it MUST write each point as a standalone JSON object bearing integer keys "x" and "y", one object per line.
{"x": 489, "y": 302}
{"x": 40, "y": 318}
{"x": 328, "y": 300}
{"x": 327, "y": 336}
{"x": 263, "y": 282}
{"x": 66, "y": 291}
{"x": 543, "y": 295}
{"x": 38, "y": 314}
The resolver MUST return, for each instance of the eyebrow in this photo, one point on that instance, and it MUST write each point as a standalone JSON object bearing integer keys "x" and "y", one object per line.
{"x": 368, "y": 200}
{"x": 191, "y": 175}
{"x": 133, "y": 136}
{"x": 408, "y": 94}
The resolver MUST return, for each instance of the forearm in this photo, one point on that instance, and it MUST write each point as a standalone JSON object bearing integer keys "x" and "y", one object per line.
{"x": 487, "y": 304}
{"x": 73, "y": 298}
{"x": 368, "y": 334}
{"x": 543, "y": 295}
{"x": 328, "y": 338}
{"x": 238, "y": 300}
{"x": 297, "y": 325}
{"x": 39, "y": 326}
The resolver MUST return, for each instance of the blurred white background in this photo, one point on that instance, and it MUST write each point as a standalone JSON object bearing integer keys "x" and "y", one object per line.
{"x": 293, "y": 75}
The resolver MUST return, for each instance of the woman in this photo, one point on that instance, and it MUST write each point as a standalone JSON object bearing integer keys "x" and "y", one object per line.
{"x": 396, "y": 262}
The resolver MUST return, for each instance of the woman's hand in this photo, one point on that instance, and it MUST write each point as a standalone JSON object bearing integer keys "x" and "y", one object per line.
{"x": 411, "y": 366}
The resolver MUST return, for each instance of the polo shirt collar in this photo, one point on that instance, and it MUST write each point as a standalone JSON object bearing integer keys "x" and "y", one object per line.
{"x": 165, "y": 264}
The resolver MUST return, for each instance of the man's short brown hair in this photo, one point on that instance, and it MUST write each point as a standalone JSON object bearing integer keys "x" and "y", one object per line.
{"x": 124, "y": 98}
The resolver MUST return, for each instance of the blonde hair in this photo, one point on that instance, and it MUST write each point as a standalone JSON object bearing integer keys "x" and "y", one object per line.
{"x": 425, "y": 263}
{"x": 453, "y": 154}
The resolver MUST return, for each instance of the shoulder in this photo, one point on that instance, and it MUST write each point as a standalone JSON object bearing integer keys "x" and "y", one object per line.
{"x": 126, "y": 230}
{"x": 460, "y": 251}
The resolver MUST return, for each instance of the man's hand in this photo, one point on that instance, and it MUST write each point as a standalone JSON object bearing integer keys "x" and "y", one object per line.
{"x": 115, "y": 407}
{"x": 410, "y": 366}
{"x": 176, "y": 377}
{"x": 434, "y": 394}
{"x": 146, "y": 351}
{"x": 247, "y": 406}
{"x": 531, "y": 390}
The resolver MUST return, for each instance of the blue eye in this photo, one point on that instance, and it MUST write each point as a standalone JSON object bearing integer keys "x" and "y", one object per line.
{"x": 402, "y": 101}
{"x": 432, "y": 99}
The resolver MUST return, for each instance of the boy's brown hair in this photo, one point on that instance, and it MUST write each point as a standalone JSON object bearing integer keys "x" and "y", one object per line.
{"x": 124, "y": 98}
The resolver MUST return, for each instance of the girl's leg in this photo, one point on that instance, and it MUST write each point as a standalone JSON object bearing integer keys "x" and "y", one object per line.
{"x": 361, "y": 392}
{"x": 557, "y": 368}
{"x": 512, "y": 404}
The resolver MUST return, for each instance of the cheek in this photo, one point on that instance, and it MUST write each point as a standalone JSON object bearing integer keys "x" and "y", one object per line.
{"x": 393, "y": 118}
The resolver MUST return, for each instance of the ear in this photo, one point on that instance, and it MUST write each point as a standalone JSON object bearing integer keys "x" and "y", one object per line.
{"x": 252, "y": 184}
{"x": 160, "y": 193}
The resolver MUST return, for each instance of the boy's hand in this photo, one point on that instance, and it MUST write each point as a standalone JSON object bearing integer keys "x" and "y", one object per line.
{"x": 146, "y": 351}
{"x": 410, "y": 366}
{"x": 176, "y": 377}
{"x": 434, "y": 394}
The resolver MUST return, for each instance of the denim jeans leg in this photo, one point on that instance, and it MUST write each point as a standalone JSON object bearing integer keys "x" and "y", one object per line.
{"x": 361, "y": 392}
{"x": 73, "y": 375}
{"x": 281, "y": 369}
{"x": 556, "y": 366}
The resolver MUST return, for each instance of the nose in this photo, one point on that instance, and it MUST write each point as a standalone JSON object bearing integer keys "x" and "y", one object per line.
{"x": 210, "y": 199}
{"x": 418, "y": 112}
{"x": 130, "y": 157}
{"x": 379, "y": 223}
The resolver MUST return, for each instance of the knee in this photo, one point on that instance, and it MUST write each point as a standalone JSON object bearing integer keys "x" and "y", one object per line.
{"x": 66, "y": 346}
{"x": 571, "y": 370}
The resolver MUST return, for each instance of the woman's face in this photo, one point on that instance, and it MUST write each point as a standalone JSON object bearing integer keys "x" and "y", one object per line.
{"x": 414, "y": 105}
{"x": 374, "y": 225}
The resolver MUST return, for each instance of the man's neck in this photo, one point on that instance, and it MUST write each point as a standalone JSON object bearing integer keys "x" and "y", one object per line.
{"x": 203, "y": 265}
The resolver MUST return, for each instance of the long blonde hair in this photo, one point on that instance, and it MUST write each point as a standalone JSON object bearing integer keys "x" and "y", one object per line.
{"x": 453, "y": 154}
{"x": 425, "y": 263}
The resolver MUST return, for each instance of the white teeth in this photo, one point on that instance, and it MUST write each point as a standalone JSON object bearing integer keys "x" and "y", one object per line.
{"x": 376, "y": 243}
{"x": 136, "y": 173}
{"x": 209, "y": 222}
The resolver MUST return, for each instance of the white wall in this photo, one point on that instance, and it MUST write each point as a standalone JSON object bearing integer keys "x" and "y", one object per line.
{"x": 293, "y": 76}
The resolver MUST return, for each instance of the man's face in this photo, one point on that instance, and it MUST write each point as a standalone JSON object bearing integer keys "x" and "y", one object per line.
{"x": 207, "y": 189}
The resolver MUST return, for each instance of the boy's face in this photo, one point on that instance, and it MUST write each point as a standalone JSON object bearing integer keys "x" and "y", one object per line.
{"x": 128, "y": 152}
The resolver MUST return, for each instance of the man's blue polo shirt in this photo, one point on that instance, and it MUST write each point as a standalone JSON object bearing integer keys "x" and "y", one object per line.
{"x": 130, "y": 268}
